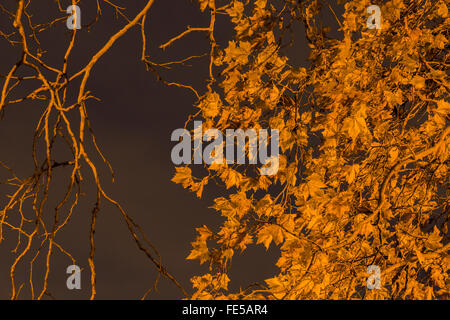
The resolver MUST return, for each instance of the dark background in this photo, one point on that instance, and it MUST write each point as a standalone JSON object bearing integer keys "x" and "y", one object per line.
{"x": 132, "y": 123}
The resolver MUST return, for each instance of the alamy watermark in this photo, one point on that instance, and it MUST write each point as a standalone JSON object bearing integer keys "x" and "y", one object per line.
{"x": 213, "y": 152}
{"x": 74, "y": 281}
{"x": 374, "y": 280}
{"x": 374, "y": 20}
{"x": 74, "y": 21}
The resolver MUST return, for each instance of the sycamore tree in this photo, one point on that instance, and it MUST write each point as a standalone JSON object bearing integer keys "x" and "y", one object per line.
{"x": 363, "y": 173}
{"x": 363, "y": 177}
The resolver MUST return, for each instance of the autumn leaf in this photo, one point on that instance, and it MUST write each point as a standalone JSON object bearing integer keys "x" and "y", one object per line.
{"x": 314, "y": 185}
{"x": 211, "y": 105}
{"x": 231, "y": 177}
{"x": 199, "y": 251}
{"x": 238, "y": 54}
{"x": 270, "y": 233}
{"x": 418, "y": 82}
{"x": 354, "y": 125}
{"x": 183, "y": 176}
{"x": 442, "y": 9}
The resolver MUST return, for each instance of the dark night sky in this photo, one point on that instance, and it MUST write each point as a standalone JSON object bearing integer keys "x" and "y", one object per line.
{"x": 132, "y": 123}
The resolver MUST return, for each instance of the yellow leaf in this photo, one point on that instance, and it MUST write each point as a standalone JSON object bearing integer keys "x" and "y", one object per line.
{"x": 223, "y": 281}
{"x": 352, "y": 173}
{"x": 442, "y": 9}
{"x": 418, "y": 82}
{"x": 203, "y": 4}
{"x": 314, "y": 184}
{"x": 236, "y": 10}
{"x": 211, "y": 105}
{"x": 198, "y": 186}
{"x": 393, "y": 98}
{"x": 201, "y": 282}
{"x": 269, "y": 233}
{"x": 240, "y": 53}
{"x": 231, "y": 177}
{"x": 200, "y": 252}
{"x": 274, "y": 283}
{"x": 443, "y": 107}
{"x": 183, "y": 176}
{"x": 393, "y": 155}
{"x": 354, "y": 125}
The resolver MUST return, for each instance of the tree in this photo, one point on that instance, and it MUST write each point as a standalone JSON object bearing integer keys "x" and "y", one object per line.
{"x": 63, "y": 126}
{"x": 364, "y": 138}
{"x": 363, "y": 176}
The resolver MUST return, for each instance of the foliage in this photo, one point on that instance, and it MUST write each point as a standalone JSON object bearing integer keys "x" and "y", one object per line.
{"x": 364, "y": 137}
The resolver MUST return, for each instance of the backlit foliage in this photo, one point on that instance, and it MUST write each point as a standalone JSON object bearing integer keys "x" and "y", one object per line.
{"x": 364, "y": 137}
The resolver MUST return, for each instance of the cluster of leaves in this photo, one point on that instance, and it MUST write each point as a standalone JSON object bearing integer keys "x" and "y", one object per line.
{"x": 363, "y": 172}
